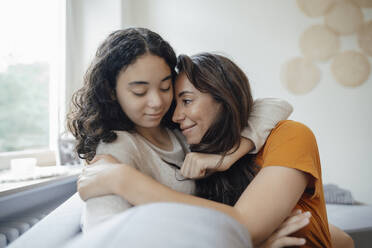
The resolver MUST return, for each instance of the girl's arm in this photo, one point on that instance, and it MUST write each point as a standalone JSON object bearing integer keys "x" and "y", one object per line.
{"x": 197, "y": 165}
{"x": 265, "y": 115}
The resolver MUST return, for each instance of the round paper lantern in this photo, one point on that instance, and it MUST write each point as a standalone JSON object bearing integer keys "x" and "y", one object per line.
{"x": 319, "y": 43}
{"x": 299, "y": 75}
{"x": 350, "y": 68}
{"x": 344, "y": 17}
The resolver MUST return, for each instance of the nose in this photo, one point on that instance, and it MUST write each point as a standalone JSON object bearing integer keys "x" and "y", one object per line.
{"x": 155, "y": 100}
{"x": 178, "y": 114}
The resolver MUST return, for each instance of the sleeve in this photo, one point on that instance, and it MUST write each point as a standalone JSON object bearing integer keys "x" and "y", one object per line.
{"x": 266, "y": 114}
{"x": 99, "y": 209}
{"x": 123, "y": 149}
{"x": 293, "y": 145}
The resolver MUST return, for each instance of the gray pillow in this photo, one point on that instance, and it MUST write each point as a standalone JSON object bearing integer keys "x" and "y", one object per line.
{"x": 166, "y": 225}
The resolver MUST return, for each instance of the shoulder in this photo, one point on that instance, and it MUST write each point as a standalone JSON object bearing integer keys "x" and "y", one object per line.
{"x": 290, "y": 140}
{"x": 289, "y": 129}
{"x": 124, "y": 143}
{"x": 292, "y": 126}
{"x": 292, "y": 144}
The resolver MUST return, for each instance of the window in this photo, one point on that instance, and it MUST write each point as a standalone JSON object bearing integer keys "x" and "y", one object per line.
{"x": 31, "y": 73}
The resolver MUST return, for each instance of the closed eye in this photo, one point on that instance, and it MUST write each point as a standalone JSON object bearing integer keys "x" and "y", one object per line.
{"x": 139, "y": 93}
{"x": 166, "y": 89}
{"x": 166, "y": 84}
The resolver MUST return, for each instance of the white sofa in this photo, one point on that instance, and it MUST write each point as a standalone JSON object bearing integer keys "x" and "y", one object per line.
{"x": 63, "y": 224}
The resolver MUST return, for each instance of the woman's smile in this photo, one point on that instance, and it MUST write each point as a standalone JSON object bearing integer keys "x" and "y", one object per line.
{"x": 187, "y": 130}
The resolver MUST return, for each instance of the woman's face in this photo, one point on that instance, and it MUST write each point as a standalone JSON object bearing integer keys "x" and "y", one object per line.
{"x": 195, "y": 111}
{"x": 144, "y": 90}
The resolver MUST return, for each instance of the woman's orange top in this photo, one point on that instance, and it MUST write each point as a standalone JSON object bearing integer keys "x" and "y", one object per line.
{"x": 292, "y": 144}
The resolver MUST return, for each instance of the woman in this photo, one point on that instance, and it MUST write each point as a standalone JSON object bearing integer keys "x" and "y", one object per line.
{"x": 290, "y": 155}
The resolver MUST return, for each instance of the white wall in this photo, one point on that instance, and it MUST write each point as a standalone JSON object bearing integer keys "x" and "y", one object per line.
{"x": 89, "y": 22}
{"x": 260, "y": 36}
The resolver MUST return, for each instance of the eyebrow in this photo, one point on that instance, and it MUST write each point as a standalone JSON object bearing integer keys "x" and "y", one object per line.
{"x": 184, "y": 92}
{"x": 146, "y": 83}
{"x": 138, "y": 83}
{"x": 166, "y": 78}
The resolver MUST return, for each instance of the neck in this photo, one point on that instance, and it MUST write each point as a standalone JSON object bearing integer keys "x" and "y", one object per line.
{"x": 157, "y": 136}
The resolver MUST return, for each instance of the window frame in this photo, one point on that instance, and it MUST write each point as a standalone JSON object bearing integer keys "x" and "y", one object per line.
{"x": 57, "y": 103}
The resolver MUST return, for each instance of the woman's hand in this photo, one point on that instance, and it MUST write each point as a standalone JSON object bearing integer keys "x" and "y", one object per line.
{"x": 97, "y": 179}
{"x": 196, "y": 165}
{"x": 93, "y": 180}
{"x": 281, "y": 238}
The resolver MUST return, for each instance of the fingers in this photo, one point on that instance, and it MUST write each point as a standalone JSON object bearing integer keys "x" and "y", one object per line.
{"x": 192, "y": 167}
{"x": 81, "y": 188}
{"x": 292, "y": 226}
{"x": 295, "y": 218}
{"x": 295, "y": 212}
{"x": 192, "y": 172}
{"x": 288, "y": 241}
{"x": 294, "y": 222}
{"x": 184, "y": 168}
{"x": 95, "y": 159}
{"x": 107, "y": 157}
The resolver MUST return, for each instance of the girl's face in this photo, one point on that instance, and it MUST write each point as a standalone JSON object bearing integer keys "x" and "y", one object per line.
{"x": 195, "y": 111}
{"x": 144, "y": 90}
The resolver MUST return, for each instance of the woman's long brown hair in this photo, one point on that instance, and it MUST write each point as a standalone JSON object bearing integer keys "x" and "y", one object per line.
{"x": 229, "y": 86}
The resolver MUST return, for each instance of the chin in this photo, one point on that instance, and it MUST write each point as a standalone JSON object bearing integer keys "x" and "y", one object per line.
{"x": 192, "y": 141}
{"x": 151, "y": 124}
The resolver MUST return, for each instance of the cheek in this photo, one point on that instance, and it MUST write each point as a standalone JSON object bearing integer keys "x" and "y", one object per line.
{"x": 168, "y": 98}
{"x": 195, "y": 112}
{"x": 131, "y": 105}
{"x": 209, "y": 115}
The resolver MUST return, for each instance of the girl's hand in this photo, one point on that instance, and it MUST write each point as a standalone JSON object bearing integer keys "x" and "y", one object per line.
{"x": 281, "y": 238}
{"x": 196, "y": 165}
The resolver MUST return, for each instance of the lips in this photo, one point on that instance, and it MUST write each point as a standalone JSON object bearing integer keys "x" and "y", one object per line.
{"x": 186, "y": 130}
{"x": 156, "y": 115}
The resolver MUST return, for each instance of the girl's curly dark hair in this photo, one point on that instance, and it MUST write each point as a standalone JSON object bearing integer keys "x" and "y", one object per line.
{"x": 94, "y": 113}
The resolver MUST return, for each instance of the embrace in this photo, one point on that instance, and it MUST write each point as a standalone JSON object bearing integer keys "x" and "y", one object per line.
{"x": 185, "y": 133}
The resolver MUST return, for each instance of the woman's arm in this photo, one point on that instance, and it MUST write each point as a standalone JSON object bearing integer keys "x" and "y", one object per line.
{"x": 280, "y": 238}
{"x": 139, "y": 189}
{"x": 270, "y": 198}
{"x": 339, "y": 238}
{"x": 261, "y": 210}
